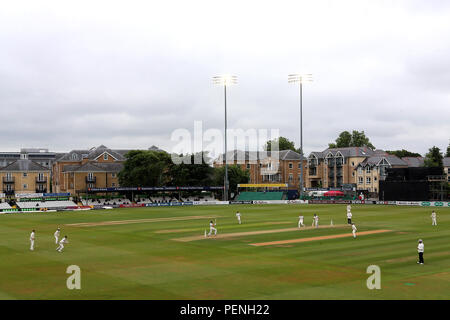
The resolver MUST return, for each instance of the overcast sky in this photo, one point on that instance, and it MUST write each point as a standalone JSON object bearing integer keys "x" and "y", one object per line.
{"x": 126, "y": 74}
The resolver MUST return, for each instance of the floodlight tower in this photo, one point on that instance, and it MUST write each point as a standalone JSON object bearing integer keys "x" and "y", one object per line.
{"x": 225, "y": 80}
{"x": 300, "y": 79}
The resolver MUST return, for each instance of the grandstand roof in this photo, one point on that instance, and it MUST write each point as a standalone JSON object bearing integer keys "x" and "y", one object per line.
{"x": 24, "y": 165}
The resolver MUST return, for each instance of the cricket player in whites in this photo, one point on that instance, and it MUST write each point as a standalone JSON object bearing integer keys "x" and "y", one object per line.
{"x": 57, "y": 235}
{"x": 354, "y": 230}
{"x": 349, "y": 217}
{"x": 316, "y": 220}
{"x": 300, "y": 221}
{"x": 211, "y": 228}
{"x": 61, "y": 244}
{"x": 238, "y": 216}
{"x": 420, "y": 249}
{"x": 32, "y": 237}
{"x": 433, "y": 219}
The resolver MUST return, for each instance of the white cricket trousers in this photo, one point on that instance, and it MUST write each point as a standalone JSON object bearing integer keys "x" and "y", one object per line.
{"x": 61, "y": 247}
{"x": 433, "y": 222}
{"x": 56, "y": 240}
{"x": 32, "y": 245}
{"x": 300, "y": 223}
{"x": 354, "y": 233}
{"x": 211, "y": 229}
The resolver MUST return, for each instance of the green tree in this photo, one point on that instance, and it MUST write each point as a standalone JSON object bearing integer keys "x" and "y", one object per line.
{"x": 145, "y": 168}
{"x": 434, "y": 158}
{"x": 283, "y": 144}
{"x": 236, "y": 175}
{"x": 403, "y": 153}
{"x": 448, "y": 151}
{"x": 354, "y": 139}
{"x": 193, "y": 171}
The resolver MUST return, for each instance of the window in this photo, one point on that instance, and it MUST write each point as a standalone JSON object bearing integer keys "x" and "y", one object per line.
{"x": 375, "y": 189}
{"x": 353, "y": 163}
{"x": 25, "y": 186}
{"x": 375, "y": 179}
{"x": 368, "y": 180}
{"x": 353, "y": 174}
{"x": 260, "y": 164}
{"x": 25, "y": 174}
{"x": 368, "y": 169}
{"x": 369, "y": 189}
{"x": 113, "y": 175}
{"x": 248, "y": 165}
{"x": 360, "y": 180}
{"x": 360, "y": 171}
{"x": 291, "y": 177}
{"x": 74, "y": 156}
{"x": 299, "y": 165}
{"x": 105, "y": 156}
{"x": 113, "y": 184}
{"x": 290, "y": 165}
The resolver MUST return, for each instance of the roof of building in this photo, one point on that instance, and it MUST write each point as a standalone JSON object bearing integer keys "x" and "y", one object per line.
{"x": 375, "y": 160}
{"x": 414, "y": 161}
{"x": 446, "y": 162}
{"x": 238, "y": 155}
{"x": 91, "y": 167}
{"x": 94, "y": 153}
{"x": 346, "y": 152}
{"x": 24, "y": 165}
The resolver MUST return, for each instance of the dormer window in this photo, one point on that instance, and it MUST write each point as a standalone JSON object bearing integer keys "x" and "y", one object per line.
{"x": 74, "y": 156}
{"x": 105, "y": 156}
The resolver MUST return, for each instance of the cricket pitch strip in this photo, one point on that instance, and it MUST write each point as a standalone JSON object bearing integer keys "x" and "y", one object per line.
{"x": 249, "y": 233}
{"x": 336, "y": 236}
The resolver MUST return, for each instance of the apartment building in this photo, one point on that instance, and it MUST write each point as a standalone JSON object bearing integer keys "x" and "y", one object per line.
{"x": 447, "y": 168}
{"x": 268, "y": 167}
{"x": 78, "y": 170}
{"x": 373, "y": 169}
{"x": 40, "y": 156}
{"x": 332, "y": 168}
{"x": 24, "y": 176}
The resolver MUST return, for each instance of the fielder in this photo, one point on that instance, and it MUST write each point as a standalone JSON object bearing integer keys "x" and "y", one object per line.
{"x": 349, "y": 217}
{"x": 32, "y": 237}
{"x": 61, "y": 244}
{"x": 349, "y": 208}
{"x": 316, "y": 220}
{"x": 354, "y": 230}
{"x": 211, "y": 228}
{"x": 238, "y": 216}
{"x": 57, "y": 235}
{"x": 433, "y": 219}
{"x": 300, "y": 221}
{"x": 420, "y": 249}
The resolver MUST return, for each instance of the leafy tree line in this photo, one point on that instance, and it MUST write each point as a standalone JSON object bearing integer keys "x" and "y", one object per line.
{"x": 147, "y": 168}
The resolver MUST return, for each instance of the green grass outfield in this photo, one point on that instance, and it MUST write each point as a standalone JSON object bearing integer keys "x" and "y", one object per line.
{"x": 137, "y": 261}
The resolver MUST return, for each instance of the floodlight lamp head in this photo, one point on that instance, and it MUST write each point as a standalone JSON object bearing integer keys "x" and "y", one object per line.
{"x": 225, "y": 80}
{"x": 300, "y": 78}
